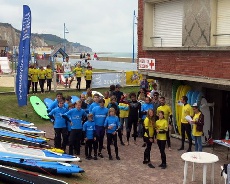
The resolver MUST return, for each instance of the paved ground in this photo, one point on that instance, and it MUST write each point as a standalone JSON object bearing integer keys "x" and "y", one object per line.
{"x": 131, "y": 170}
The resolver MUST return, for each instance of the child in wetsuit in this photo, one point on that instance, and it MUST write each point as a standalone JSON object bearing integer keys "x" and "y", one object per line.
{"x": 90, "y": 138}
{"x": 112, "y": 126}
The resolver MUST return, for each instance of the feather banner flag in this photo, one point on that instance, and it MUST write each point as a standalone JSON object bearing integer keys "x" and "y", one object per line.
{"x": 23, "y": 58}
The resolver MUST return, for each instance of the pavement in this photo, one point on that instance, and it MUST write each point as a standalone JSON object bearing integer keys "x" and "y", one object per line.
{"x": 130, "y": 168}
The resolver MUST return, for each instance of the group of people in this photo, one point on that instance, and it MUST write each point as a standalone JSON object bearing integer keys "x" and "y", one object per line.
{"x": 88, "y": 121}
{"x": 39, "y": 75}
{"x": 70, "y": 72}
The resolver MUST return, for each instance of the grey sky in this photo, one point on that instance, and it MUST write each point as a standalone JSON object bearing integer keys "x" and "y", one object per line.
{"x": 103, "y": 25}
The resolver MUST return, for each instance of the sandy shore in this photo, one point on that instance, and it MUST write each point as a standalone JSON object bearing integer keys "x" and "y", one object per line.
{"x": 6, "y": 81}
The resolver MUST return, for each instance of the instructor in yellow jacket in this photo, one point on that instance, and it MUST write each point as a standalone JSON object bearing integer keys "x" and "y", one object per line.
{"x": 185, "y": 126}
{"x": 149, "y": 124}
{"x": 161, "y": 129}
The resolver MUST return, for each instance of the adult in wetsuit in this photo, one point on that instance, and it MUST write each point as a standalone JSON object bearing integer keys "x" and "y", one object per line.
{"x": 134, "y": 115}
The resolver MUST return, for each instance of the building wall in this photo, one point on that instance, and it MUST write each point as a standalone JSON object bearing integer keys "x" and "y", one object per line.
{"x": 196, "y": 23}
{"x": 207, "y": 62}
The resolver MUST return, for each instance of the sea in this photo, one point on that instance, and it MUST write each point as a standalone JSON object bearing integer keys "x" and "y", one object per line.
{"x": 108, "y": 64}
{"x": 116, "y": 54}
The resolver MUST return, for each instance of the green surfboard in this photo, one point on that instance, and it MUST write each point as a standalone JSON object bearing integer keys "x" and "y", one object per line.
{"x": 39, "y": 107}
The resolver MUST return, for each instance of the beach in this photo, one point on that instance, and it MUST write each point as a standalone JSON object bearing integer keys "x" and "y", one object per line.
{"x": 7, "y": 81}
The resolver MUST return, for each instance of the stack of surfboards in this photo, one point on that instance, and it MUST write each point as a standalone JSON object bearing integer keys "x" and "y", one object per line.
{"x": 11, "y": 175}
{"x": 22, "y": 146}
{"x": 193, "y": 97}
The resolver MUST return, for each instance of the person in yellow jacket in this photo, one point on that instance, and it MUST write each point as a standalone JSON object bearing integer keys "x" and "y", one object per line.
{"x": 34, "y": 80}
{"x": 161, "y": 129}
{"x": 78, "y": 71}
{"x": 88, "y": 76}
{"x": 49, "y": 76}
{"x": 168, "y": 116}
{"x": 42, "y": 78}
{"x": 30, "y": 70}
{"x": 149, "y": 124}
{"x": 106, "y": 98}
{"x": 124, "y": 112}
{"x": 197, "y": 127}
{"x": 185, "y": 126}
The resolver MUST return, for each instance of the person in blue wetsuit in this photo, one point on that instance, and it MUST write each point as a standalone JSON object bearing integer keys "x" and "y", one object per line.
{"x": 113, "y": 103}
{"x": 112, "y": 126}
{"x": 59, "y": 97}
{"x": 144, "y": 109}
{"x": 60, "y": 127}
{"x": 95, "y": 103}
{"x": 90, "y": 137}
{"x": 75, "y": 116}
{"x": 99, "y": 115}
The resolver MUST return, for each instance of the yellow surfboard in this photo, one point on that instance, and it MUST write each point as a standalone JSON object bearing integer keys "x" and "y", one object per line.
{"x": 183, "y": 92}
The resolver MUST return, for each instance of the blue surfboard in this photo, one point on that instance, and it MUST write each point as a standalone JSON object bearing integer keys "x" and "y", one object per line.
{"x": 4, "y": 134}
{"x": 189, "y": 94}
{"x": 48, "y": 102}
{"x": 17, "y": 121}
{"x": 38, "y": 165}
{"x": 74, "y": 99}
{"x": 194, "y": 97}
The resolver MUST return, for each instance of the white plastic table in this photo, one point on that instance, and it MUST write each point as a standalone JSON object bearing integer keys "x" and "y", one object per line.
{"x": 201, "y": 158}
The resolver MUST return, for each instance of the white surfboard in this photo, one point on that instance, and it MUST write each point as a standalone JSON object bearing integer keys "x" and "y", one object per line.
{"x": 94, "y": 92}
{"x": 204, "y": 107}
{"x": 25, "y": 152}
{"x": 21, "y": 129}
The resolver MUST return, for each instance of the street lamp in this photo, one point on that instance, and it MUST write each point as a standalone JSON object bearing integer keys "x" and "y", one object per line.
{"x": 134, "y": 18}
{"x": 65, "y": 31}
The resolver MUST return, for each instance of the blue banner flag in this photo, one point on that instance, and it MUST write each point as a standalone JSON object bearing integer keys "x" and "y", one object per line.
{"x": 23, "y": 58}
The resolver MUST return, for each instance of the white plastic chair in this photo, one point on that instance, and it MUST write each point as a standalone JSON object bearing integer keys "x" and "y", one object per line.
{"x": 224, "y": 175}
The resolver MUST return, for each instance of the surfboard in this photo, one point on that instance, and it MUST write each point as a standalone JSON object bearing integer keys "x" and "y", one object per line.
{"x": 194, "y": 97}
{"x": 94, "y": 92}
{"x": 24, "y": 152}
{"x": 48, "y": 102}
{"x": 189, "y": 95}
{"x": 39, "y": 107}
{"x": 14, "y": 136}
{"x": 12, "y": 175}
{"x": 177, "y": 105}
{"x": 184, "y": 90}
{"x": 17, "y": 121}
{"x": 74, "y": 99}
{"x": 41, "y": 166}
{"x": 175, "y": 86}
{"x": 21, "y": 129}
{"x": 204, "y": 108}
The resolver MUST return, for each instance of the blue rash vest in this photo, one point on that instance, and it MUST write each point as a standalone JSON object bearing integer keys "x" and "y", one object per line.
{"x": 55, "y": 104}
{"x": 57, "y": 112}
{"x": 94, "y": 104}
{"x": 146, "y": 107}
{"x": 89, "y": 128}
{"x": 75, "y": 115}
{"x": 112, "y": 121}
{"x": 99, "y": 115}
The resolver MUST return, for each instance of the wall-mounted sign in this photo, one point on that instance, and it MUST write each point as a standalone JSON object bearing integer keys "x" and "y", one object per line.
{"x": 146, "y": 64}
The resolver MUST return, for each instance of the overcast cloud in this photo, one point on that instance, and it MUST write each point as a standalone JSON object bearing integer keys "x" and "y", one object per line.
{"x": 103, "y": 25}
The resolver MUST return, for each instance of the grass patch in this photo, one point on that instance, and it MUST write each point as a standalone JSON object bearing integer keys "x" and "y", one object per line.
{"x": 9, "y": 106}
{"x": 6, "y": 89}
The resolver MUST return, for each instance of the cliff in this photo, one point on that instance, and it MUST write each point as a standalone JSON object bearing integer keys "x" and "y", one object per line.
{"x": 12, "y": 35}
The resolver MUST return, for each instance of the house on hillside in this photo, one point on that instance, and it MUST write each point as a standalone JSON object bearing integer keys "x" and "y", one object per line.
{"x": 188, "y": 43}
{"x": 3, "y": 48}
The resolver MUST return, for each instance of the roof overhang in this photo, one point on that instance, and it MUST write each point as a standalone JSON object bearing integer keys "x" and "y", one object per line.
{"x": 217, "y": 81}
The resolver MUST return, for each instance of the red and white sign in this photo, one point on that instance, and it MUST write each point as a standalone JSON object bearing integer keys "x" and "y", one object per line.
{"x": 146, "y": 64}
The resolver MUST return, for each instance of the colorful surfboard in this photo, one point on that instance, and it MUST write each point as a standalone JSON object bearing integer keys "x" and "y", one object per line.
{"x": 39, "y": 107}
